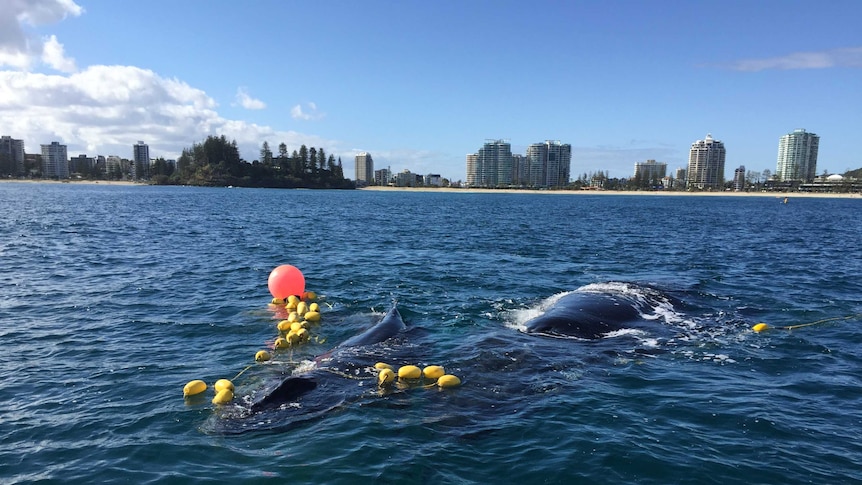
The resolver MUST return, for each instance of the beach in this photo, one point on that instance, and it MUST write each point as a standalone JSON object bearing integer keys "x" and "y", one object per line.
{"x": 779, "y": 195}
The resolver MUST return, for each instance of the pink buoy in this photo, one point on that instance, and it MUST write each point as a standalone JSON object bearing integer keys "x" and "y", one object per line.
{"x": 286, "y": 280}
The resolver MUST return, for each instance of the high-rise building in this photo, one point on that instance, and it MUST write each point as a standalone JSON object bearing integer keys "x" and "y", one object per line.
{"x": 650, "y": 171}
{"x": 13, "y": 151}
{"x": 142, "y": 160}
{"x": 797, "y": 156}
{"x": 81, "y": 164}
{"x": 491, "y": 166}
{"x": 548, "y": 164}
{"x": 364, "y": 168}
{"x": 739, "y": 178}
{"x": 55, "y": 162}
{"x": 382, "y": 176}
{"x": 115, "y": 168}
{"x": 706, "y": 164}
{"x": 472, "y": 170}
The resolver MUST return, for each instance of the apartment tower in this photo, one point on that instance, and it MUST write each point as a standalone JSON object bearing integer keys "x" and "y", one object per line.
{"x": 706, "y": 164}
{"x": 55, "y": 161}
{"x": 364, "y": 169}
{"x": 797, "y": 156}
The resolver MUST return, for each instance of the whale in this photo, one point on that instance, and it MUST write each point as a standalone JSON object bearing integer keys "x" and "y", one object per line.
{"x": 293, "y": 387}
{"x": 595, "y": 311}
{"x": 337, "y": 378}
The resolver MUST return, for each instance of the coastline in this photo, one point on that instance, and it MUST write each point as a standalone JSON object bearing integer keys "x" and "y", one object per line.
{"x": 378, "y": 188}
{"x": 70, "y": 181}
{"x": 777, "y": 195}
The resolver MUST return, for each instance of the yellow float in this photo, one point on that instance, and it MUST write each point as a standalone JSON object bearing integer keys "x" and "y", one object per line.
{"x": 223, "y": 397}
{"x": 385, "y": 376}
{"x": 196, "y": 386}
{"x": 409, "y": 372}
{"x": 262, "y": 356}
{"x": 301, "y": 308}
{"x": 222, "y": 384}
{"x": 433, "y": 372}
{"x": 448, "y": 380}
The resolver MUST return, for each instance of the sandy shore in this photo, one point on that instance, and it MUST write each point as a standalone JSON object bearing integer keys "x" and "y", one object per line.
{"x": 615, "y": 192}
{"x": 71, "y": 181}
{"x": 501, "y": 191}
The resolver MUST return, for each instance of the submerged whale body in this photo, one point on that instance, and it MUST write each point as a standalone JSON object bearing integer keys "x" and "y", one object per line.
{"x": 594, "y": 311}
{"x": 298, "y": 398}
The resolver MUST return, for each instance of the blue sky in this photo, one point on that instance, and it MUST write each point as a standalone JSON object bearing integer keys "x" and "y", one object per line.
{"x": 421, "y": 84}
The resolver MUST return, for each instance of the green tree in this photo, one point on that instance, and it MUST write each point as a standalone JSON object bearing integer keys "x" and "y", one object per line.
{"x": 266, "y": 154}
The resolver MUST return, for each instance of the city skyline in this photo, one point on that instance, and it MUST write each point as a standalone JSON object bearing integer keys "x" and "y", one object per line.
{"x": 96, "y": 76}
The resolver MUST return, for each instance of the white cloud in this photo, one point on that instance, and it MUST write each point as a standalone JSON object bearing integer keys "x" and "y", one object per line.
{"x": 53, "y": 55}
{"x": 845, "y": 57}
{"x": 298, "y": 114}
{"x": 104, "y": 110}
{"x": 246, "y": 101}
{"x": 21, "y": 49}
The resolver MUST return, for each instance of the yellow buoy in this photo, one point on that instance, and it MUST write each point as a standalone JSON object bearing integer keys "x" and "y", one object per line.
{"x": 309, "y": 296}
{"x": 196, "y": 386}
{"x": 292, "y": 301}
{"x": 302, "y": 334}
{"x": 385, "y": 376}
{"x": 223, "y": 397}
{"x": 223, "y": 384}
{"x": 314, "y": 307}
{"x": 262, "y": 356}
{"x": 409, "y": 372}
{"x": 281, "y": 343}
{"x": 433, "y": 372}
{"x": 448, "y": 380}
{"x": 760, "y": 327}
{"x": 277, "y": 301}
{"x": 292, "y": 338}
{"x": 297, "y": 326}
{"x": 301, "y": 308}
{"x": 312, "y": 316}
{"x": 284, "y": 326}
{"x": 382, "y": 365}
{"x": 293, "y": 317}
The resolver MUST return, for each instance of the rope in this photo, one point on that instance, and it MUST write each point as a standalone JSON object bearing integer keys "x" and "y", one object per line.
{"x": 762, "y": 326}
{"x": 833, "y": 319}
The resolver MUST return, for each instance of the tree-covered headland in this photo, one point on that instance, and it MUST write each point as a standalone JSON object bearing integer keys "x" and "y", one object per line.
{"x": 216, "y": 162}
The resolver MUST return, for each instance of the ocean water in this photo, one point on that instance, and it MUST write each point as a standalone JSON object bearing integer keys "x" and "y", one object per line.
{"x": 113, "y": 297}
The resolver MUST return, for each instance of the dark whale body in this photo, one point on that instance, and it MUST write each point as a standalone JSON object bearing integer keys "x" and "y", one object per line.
{"x": 590, "y": 314}
{"x": 341, "y": 376}
{"x": 294, "y": 387}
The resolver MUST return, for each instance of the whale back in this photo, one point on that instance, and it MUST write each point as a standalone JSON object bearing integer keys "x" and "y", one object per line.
{"x": 587, "y": 315}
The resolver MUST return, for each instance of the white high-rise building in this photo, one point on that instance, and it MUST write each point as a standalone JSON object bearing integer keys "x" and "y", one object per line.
{"x": 472, "y": 170}
{"x": 797, "y": 156}
{"x": 706, "y": 164}
{"x": 549, "y": 164}
{"x": 364, "y": 168}
{"x": 55, "y": 161}
{"x": 491, "y": 166}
